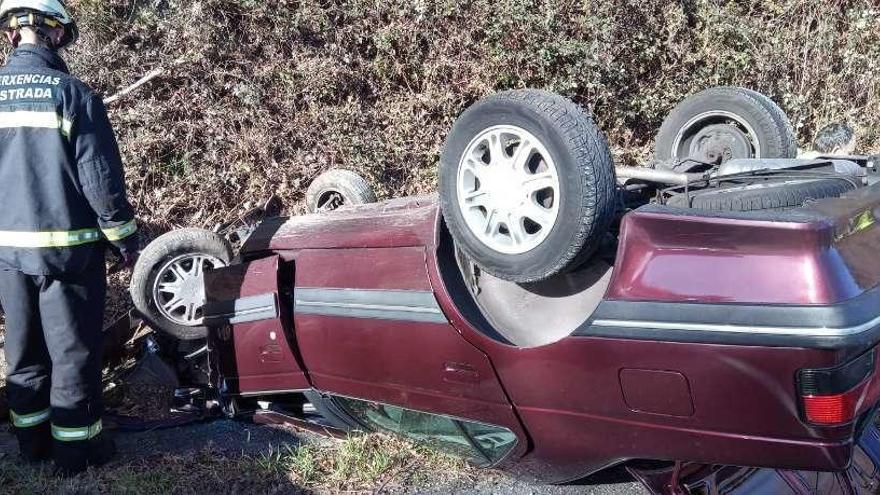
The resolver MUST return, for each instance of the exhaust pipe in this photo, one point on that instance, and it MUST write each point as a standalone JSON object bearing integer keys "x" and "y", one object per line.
{"x": 659, "y": 176}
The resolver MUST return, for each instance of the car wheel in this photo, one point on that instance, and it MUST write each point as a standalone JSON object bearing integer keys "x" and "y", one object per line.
{"x": 724, "y": 123}
{"x": 527, "y": 185}
{"x": 763, "y": 196}
{"x": 337, "y": 188}
{"x": 167, "y": 285}
{"x": 334, "y": 415}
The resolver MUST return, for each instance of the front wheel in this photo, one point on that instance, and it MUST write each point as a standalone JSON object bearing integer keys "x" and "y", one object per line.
{"x": 167, "y": 285}
{"x": 527, "y": 185}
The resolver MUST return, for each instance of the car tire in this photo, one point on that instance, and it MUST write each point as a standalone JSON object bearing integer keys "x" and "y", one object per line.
{"x": 171, "y": 260}
{"x": 334, "y": 415}
{"x": 337, "y": 188}
{"x": 780, "y": 195}
{"x": 567, "y": 155}
{"x": 725, "y": 123}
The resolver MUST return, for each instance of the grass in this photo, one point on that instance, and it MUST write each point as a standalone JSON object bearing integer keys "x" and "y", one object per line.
{"x": 360, "y": 463}
{"x": 367, "y": 463}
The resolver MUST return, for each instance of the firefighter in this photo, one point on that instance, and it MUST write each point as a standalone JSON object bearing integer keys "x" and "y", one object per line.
{"x": 62, "y": 199}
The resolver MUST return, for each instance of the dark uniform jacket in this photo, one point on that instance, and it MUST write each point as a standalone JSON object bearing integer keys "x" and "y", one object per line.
{"x": 62, "y": 188}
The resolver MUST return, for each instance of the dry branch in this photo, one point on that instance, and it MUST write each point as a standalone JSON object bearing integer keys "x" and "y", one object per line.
{"x": 140, "y": 82}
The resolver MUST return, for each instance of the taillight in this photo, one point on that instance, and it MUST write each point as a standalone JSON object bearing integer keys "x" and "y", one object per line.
{"x": 833, "y": 396}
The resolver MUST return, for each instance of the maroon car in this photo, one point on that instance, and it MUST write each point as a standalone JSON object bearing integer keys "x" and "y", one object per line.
{"x": 712, "y": 331}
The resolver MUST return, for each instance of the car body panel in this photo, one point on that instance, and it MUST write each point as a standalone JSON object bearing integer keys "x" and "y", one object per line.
{"x": 579, "y": 419}
{"x": 860, "y": 477}
{"x": 386, "y": 339}
{"x": 261, "y": 350}
{"x": 382, "y": 314}
{"x": 396, "y": 223}
{"x": 824, "y": 253}
{"x": 665, "y": 256}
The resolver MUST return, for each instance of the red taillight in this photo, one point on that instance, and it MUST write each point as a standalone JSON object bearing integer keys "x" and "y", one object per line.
{"x": 833, "y": 396}
{"x": 832, "y": 409}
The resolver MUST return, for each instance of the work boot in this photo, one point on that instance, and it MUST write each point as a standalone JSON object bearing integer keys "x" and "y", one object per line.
{"x": 72, "y": 458}
{"x": 35, "y": 443}
{"x": 102, "y": 449}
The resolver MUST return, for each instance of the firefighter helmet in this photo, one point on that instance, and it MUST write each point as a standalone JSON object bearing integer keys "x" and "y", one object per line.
{"x": 50, "y": 13}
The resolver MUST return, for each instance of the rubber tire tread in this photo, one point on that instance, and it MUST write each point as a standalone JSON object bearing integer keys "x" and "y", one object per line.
{"x": 352, "y": 186}
{"x": 773, "y": 196}
{"x": 581, "y": 143}
{"x": 158, "y": 252}
{"x": 773, "y": 127}
{"x": 332, "y": 413}
{"x": 789, "y": 138}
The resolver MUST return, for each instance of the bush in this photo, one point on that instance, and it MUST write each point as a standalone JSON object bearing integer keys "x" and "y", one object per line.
{"x": 262, "y": 96}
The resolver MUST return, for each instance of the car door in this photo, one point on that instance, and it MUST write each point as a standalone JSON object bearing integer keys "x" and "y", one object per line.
{"x": 252, "y": 336}
{"x": 371, "y": 333}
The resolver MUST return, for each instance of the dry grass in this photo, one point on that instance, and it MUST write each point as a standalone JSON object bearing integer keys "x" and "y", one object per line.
{"x": 360, "y": 463}
{"x": 363, "y": 464}
{"x": 262, "y": 96}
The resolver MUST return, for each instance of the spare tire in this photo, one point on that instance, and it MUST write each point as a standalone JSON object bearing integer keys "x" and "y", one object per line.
{"x": 527, "y": 185}
{"x": 725, "y": 123}
{"x": 778, "y": 195}
{"x": 337, "y": 188}
{"x": 167, "y": 285}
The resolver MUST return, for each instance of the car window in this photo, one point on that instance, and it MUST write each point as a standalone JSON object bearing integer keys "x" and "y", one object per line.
{"x": 483, "y": 445}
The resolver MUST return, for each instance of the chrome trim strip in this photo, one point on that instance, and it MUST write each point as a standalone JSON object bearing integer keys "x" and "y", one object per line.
{"x": 243, "y": 310}
{"x": 272, "y": 392}
{"x": 417, "y": 306}
{"x": 377, "y": 307}
{"x": 745, "y": 329}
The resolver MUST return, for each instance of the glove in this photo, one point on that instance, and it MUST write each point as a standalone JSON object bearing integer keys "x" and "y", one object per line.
{"x": 129, "y": 260}
{"x": 126, "y": 262}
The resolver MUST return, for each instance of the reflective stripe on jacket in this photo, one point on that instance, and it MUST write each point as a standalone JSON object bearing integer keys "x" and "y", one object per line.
{"x": 62, "y": 187}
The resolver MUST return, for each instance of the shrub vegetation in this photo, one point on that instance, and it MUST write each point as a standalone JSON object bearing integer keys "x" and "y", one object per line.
{"x": 261, "y": 96}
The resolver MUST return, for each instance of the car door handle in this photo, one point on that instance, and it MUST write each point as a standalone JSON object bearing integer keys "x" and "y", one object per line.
{"x": 460, "y": 372}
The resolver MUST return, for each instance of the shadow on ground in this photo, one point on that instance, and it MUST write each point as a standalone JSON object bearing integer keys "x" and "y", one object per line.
{"x": 222, "y": 437}
{"x": 217, "y": 457}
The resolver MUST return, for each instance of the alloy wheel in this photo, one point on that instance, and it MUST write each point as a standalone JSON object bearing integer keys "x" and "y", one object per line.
{"x": 179, "y": 289}
{"x": 508, "y": 189}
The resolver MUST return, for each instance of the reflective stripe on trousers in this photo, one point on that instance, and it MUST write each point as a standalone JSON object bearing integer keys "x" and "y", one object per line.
{"x": 77, "y": 434}
{"x": 29, "y": 420}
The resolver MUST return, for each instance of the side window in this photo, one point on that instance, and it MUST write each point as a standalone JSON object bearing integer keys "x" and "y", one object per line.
{"x": 482, "y": 445}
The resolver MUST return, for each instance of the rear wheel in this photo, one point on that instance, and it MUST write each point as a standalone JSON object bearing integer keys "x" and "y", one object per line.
{"x": 725, "y": 123}
{"x": 526, "y": 185}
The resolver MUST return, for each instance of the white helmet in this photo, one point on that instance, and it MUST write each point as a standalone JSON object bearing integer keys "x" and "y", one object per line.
{"x": 52, "y": 13}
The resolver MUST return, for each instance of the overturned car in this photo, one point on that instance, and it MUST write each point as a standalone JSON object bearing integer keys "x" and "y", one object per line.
{"x": 710, "y": 322}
